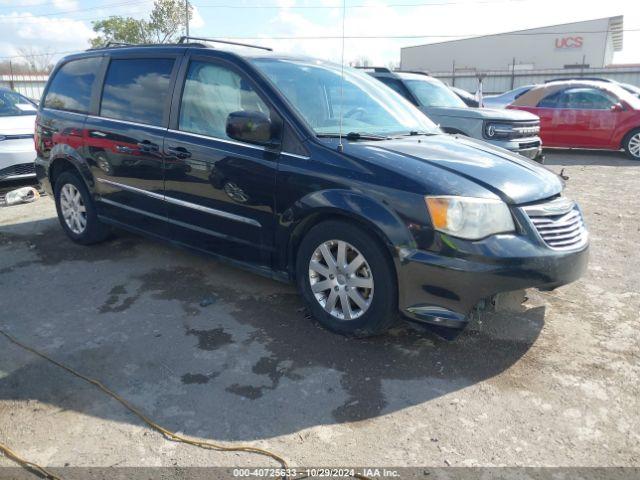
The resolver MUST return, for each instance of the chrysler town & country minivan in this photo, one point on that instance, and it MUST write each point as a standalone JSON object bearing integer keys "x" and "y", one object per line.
{"x": 285, "y": 166}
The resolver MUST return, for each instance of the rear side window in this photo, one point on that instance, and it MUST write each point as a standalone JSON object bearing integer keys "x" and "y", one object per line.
{"x": 136, "y": 90}
{"x": 70, "y": 88}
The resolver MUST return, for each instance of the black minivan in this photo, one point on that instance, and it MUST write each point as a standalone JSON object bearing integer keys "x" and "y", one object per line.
{"x": 242, "y": 156}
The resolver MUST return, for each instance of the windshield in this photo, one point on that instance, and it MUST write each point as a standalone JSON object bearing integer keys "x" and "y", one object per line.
{"x": 12, "y": 104}
{"x": 434, "y": 94}
{"x": 313, "y": 87}
{"x": 632, "y": 100}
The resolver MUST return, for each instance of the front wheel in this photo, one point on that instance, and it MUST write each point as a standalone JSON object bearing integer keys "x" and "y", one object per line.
{"x": 631, "y": 144}
{"x": 347, "y": 279}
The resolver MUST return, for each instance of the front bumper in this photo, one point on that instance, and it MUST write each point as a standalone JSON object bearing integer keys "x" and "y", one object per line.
{"x": 530, "y": 147}
{"x": 444, "y": 288}
{"x": 16, "y": 159}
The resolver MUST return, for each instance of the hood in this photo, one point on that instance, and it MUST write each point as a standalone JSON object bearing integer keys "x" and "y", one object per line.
{"x": 513, "y": 178}
{"x": 481, "y": 113}
{"x": 18, "y": 125}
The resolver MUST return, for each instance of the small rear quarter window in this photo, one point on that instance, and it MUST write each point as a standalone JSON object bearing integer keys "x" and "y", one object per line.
{"x": 70, "y": 88}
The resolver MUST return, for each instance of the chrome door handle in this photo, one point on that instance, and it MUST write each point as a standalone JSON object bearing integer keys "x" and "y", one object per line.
{"x": 178, "y": 152}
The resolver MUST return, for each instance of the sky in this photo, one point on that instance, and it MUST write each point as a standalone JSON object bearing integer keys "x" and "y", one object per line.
{"x": 60, "y": 26}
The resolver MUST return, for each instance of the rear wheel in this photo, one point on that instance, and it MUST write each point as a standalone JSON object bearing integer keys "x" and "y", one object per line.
{"x": 631, "y": 144}
{"x": 76, "y": 210}
{"x": 346, "y": 279}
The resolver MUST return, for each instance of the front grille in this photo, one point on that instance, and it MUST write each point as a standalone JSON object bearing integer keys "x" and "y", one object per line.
{"x": 559, "y": 223}
{"x": 18, "y": 170}
{"x": 526, "y": 129}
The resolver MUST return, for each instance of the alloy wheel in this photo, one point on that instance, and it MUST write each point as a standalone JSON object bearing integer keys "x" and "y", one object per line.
{"x": 634, "y": 145}
{"x": 73, "y": 209}
{"x": 341, "y": 279}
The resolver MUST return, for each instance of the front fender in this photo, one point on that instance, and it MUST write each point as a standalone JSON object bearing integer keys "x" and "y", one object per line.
{"x": 321, "y": 205}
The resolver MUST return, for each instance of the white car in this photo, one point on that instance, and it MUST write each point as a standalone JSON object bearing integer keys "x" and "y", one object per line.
{"x": 17, "y": 122}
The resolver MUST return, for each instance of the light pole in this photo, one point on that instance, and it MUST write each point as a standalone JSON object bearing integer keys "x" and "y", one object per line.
{"x": 186, "y": 17}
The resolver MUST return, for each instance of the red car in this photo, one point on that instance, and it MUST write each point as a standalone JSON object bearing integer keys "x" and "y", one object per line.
{"x": 585, "y": 114}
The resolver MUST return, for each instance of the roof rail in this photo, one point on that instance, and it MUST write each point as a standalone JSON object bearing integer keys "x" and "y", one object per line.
{"x": 416, "y": 72}
{"x": 124, "y": 45}
{"x": 375, "y": 69}
{"x": 589, "y": 79}
{"x": 186, "y": 38}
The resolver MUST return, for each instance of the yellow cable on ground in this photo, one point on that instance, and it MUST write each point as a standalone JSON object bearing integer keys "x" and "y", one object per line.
{"x": 167, "y": 433}
{"x": 26, "y": 463}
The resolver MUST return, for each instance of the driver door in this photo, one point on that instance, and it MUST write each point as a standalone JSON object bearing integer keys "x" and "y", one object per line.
{"x": 585, "y": 118}
{"x": 219, "y": 191}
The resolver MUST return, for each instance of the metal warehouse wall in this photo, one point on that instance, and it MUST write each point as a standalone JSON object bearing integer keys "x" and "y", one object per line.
{"x": 31, "y": 86}
{"x": 501, "y": 81}
{"x": 546, "y": 47}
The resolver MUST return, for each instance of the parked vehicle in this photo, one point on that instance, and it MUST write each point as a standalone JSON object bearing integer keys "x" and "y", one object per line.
{"x": 17, "y": 120}
{"x": 468, "y": 98}
{"x": 242, "y": 157}
{"x": 506, "y": 98}
{"x": 585, "y": 114}
{"x": 627, "y": 86}
{"x": 517, "y": 133}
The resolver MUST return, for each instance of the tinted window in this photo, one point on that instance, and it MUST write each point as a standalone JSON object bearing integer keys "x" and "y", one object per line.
{"x": 136, "y": 90}
{"x": 70, "y": 88}
{"x": 395, "y": 84}
{"x": 586, "y": 99}
{"x": 434, "y": 94}
{"x": 12, "y": 104}
{"x": 550, "y": 101}
{"x": 211, "y": 93}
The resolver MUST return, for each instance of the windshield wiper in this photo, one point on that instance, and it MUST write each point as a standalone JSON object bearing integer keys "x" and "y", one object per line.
{"x": 354, "y": 136}
{"x": 415, "y": 133}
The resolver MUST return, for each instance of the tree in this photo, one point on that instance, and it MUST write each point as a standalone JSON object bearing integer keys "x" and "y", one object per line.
{"x": 166, "y": 21}
{"x": 37, "y": 60}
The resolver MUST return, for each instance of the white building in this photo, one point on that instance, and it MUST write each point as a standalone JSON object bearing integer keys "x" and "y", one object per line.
{"x": 588, "y": 44}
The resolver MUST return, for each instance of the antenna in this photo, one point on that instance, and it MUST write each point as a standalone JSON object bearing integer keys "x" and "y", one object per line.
{"x": 340, "y": 146}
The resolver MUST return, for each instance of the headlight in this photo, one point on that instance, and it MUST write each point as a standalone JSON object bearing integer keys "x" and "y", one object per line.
{"x": 470, "y": 218}
{"x": 497, "y": 130}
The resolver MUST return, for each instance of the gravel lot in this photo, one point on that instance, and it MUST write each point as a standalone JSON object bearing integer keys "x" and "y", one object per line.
{"x": 220, "y": 354}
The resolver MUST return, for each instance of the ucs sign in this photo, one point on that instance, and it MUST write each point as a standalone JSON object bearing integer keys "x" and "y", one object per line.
{"x": 569, "y": 42}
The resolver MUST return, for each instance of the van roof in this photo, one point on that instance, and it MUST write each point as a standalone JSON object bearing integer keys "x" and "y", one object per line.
{"x": 178, "y": 48}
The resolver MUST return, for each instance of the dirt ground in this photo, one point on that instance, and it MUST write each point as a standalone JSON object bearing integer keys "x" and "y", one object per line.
{"x": 221, "y": 354}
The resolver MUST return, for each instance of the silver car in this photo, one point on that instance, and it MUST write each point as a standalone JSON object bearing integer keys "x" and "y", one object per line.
{"x": 17, "y": 121}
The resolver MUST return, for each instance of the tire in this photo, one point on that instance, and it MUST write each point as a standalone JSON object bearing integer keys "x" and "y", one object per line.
{"x": 631, "y": 144}
{"x": 85, "y": 229}
{"x": 376, "y": 309}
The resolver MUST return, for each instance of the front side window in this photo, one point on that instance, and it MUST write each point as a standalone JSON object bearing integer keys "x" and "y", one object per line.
{"x": 70, "y": 88}
{"x": 137, "y": 89}
{"x": 586, "y": 99}
{"x": 314, "y": 88}
{"x": 211, "y": 93}
{"x": 434, "y": 94}
{"x": 14, "y": 104}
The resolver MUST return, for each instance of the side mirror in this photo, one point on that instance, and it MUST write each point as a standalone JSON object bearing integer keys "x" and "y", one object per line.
{"x": 617, "y": 107}
{"x": 252, "y": 127}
